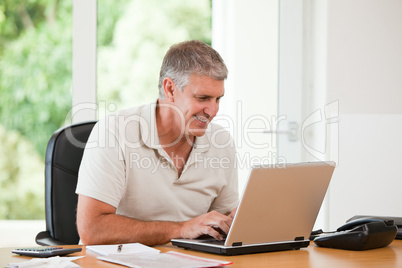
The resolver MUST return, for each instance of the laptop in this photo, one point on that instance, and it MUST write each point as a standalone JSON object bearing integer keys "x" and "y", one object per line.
{"x": 277, "y": 210}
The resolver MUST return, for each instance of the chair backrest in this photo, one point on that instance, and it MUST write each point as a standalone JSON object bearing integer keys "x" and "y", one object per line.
{"x": 63, "y": 158}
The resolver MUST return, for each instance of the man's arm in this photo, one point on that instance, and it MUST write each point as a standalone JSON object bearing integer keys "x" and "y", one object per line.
{"x": 98, "y": 223}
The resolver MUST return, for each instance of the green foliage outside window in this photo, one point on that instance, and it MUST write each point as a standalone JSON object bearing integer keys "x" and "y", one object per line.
{"x": 36, "y": 76}
{"x": 128, "y": 66}
{"x": 35, "y": 96}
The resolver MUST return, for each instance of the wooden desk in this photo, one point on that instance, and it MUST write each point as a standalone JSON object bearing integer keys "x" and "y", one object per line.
{"x": 312, "y": 256}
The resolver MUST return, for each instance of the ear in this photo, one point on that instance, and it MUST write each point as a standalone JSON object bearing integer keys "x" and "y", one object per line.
{"x": 168, "y": 88}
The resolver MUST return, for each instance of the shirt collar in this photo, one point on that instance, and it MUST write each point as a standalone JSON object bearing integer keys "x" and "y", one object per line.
{"x": 148, "y": 128}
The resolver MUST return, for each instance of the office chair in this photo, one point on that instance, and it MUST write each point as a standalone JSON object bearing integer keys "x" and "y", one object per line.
{"x": 63, "y": 158}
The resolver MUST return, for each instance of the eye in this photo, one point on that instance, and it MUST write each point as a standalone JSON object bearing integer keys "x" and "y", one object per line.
{"x": 202, "y": 98}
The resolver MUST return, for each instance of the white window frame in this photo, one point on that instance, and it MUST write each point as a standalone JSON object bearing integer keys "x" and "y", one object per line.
{"x": 84, "y": 60}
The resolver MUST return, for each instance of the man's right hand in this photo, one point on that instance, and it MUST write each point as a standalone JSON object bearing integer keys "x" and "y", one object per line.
{"x": 206, "y": 224}
{"x": 98, "y": 223}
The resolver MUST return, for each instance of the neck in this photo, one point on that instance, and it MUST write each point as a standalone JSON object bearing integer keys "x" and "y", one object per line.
{"x": 169, "y": 126}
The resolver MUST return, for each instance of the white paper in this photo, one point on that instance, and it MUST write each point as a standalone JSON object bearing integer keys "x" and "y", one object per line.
{"x": 131, "y": 248}
{"x": 170, "y": 259}
{"x": 56, "y": 261}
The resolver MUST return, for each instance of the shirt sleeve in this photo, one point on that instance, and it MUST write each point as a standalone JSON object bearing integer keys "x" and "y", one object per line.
{"x": 102, "y": 172}
{"x": 228, "y": 198}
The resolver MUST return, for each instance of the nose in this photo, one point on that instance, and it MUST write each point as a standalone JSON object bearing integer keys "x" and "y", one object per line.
{"x": 212, "y": 108}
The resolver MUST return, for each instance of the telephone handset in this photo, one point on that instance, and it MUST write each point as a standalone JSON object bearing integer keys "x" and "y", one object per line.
{"x": 354, "y": 223}
{"x": 360, "y": 234}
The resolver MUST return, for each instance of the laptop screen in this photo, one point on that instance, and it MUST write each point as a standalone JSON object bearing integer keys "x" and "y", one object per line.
{"x": 280, "y": 203}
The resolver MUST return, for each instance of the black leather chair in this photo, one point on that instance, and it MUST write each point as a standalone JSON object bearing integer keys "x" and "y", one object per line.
{"x": 63, "y": 158}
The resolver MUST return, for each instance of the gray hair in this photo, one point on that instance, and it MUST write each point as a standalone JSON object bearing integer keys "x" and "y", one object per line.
{"x": 191, "y": 57}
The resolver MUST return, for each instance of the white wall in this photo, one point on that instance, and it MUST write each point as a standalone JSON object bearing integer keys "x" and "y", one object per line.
{"x": 364, "y": 72}
{"x": 246, "y": 35}
{"x": 352, "y": 75}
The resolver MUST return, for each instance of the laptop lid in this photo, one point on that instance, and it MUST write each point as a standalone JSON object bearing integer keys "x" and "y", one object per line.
{"x": 280, "y": 203}
{"x": 277, "y": 210}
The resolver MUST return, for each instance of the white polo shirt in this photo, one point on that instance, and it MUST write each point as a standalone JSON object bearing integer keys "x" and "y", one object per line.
{"x": 124, "y": 165}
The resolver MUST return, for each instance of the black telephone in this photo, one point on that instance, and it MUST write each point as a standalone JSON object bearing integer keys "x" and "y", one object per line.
{"x": 360, "y": 234}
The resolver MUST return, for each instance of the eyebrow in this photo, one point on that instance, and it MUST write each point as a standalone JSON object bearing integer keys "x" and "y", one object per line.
{"x": 206, "y": 96}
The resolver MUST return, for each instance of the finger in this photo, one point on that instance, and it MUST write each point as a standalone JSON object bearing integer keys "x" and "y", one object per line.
{"x": 209, "y": 230}
{"x": 232, "y": 214}
{"x": 219, "y": 230}
{"x": 222, "y": 223}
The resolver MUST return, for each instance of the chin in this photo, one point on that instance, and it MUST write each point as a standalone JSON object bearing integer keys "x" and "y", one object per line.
{"x": 197, "y": 129}
{"x": 198, "y": 132}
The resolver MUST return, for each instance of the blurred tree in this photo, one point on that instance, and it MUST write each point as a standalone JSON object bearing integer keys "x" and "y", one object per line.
{"x": 35, "y": 68}
{"x": 36, "y": 76}
{"x": 17, "y": 16}
{"x": 21, "y": 178}
{"x": 35, "y": 90}
{"x": 128, "y": 67}
{"x": 109, "y": 12}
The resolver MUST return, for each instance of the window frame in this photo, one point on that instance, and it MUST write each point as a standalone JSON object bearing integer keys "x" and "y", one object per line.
{"x": 84, "y": 60}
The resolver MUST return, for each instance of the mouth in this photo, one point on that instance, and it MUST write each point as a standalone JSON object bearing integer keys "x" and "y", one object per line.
{"x": 202, "y": 119}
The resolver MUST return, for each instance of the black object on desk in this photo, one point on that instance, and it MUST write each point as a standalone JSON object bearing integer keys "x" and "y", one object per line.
{"x": 360, "y": 234}
{"x": 397, "y": 222}
{"x": 45, "y": 251}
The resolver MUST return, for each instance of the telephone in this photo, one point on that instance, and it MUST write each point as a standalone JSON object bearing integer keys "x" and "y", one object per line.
{"x": 360, "y": 234}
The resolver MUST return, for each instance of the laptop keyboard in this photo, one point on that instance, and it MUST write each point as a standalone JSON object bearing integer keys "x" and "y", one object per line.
{"x": 214, "y": 241}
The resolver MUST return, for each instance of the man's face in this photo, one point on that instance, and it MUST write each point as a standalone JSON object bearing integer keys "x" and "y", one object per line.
{"x": 199, "y": 103}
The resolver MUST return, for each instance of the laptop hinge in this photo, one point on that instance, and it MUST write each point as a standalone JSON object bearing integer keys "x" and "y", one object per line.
{"x": 237, "y": 244}
{"x": 299, "y": 238}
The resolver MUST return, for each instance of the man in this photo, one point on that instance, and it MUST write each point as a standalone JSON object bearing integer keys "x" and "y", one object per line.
{"x": 162, "y": 171}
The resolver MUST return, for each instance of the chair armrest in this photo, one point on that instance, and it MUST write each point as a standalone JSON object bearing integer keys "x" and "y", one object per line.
{"x": 44, "y": 239}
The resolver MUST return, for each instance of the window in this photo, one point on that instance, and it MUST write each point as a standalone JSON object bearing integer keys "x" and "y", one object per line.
{"x": 36, "y": 93}
{"x": 35, "y": 90}
{"x": 133, "y": 36}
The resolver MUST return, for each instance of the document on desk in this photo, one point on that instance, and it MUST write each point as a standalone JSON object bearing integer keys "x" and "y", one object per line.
{"x": 170, "y": 259}
{"x": 57, "y": 261}
{"x": 131, "y": 248}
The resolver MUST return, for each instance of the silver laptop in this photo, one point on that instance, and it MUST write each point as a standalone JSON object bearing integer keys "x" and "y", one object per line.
{"x": 277, "y": 210}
